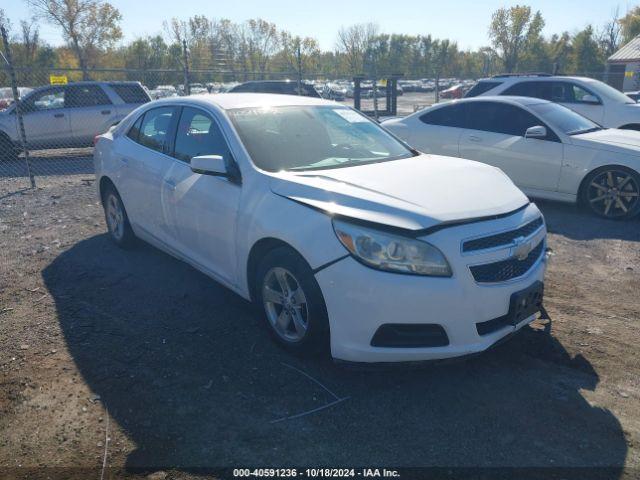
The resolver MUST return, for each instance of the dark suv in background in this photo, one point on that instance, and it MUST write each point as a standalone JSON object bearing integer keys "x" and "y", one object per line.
{"x": 285, "y": 87}
{"x": 68, "y": 115}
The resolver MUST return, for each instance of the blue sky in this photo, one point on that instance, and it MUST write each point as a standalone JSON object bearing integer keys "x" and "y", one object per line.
{"x": 464, "y": 21}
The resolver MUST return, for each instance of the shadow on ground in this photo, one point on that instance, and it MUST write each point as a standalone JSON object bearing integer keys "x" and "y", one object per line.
{"x": 188, "y": 372}
{"x": 577, "y": 223}
{"x": 48, "y": 163}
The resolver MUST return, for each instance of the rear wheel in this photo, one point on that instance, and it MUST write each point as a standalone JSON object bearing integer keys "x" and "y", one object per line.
{"x": 8, "y": 151}
{"x": 294, "y": 308}
{"x": 117, "y": 220}
{"x": 613, "y": 192}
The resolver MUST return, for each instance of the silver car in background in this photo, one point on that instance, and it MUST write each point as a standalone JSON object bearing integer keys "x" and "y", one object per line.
{"x": 70, "y": 115}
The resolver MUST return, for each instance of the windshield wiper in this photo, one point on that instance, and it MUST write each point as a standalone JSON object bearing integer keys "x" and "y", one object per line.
{"x": 584, "y": 130}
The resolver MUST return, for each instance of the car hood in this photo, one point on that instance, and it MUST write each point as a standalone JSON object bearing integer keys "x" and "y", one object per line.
{"x": 610, "y": 139}
{"x": 414, "y": 193}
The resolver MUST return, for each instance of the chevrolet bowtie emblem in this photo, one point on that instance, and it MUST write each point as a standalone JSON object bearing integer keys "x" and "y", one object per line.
{"x": 521, "y": 249}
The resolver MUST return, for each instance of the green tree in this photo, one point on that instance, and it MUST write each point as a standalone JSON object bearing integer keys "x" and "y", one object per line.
{"x": 512, "y": 30}
{"x": 586, "y": 56}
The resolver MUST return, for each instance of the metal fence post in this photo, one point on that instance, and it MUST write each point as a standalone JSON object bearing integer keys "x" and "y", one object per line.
{"x": 185, "y": 61}
{"x": 16, "y": 99}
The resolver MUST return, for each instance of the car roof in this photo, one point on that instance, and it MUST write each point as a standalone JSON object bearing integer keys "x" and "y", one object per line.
{"x": 228, "y": 101}
{"x": 534, "y": 77}
{"x": 511, "y": 99}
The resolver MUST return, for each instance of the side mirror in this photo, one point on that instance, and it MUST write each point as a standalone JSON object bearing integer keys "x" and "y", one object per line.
{"x": 209, "y": 165}
{"x": 590, "y": 99}
{"x": 536, "y": 132}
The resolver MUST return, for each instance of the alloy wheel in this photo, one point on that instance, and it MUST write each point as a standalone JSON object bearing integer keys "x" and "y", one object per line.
{"x": 285, "y": 304}
{"x": 613, "y": 193}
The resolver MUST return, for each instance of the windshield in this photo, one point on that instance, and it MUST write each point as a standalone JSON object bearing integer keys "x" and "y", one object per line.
{"x": 609, "y": 92}
{"x": 570, "y": 122}
{"x": 313, "y": 137}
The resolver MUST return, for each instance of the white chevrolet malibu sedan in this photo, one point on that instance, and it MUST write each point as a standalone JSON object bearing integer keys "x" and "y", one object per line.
{"x": 347, "y": 238}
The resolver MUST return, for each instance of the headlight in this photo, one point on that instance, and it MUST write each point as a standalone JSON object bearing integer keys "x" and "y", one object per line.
{"x": 393, "y": 253}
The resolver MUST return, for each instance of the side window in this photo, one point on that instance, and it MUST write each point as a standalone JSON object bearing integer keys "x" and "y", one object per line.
{"x": 562, "y": 92}
{"x": 447, "y": 116}
{"x": 130, "y": 93}
{"x": 531, "y": 89}
{"x": 78, "y": 96}
{"x": 50, "y": 99}
{"x": 480, "y": 88}
{"x": 578, "y": 94}
{"x": 500, "y": 118}
{"x": 198, "y": 134}
{"x": 134, "y": 131}
{"x": 155, "y": 127}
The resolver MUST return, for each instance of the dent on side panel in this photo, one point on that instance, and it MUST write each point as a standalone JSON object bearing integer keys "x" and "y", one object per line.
{"x": 308, "y": 231}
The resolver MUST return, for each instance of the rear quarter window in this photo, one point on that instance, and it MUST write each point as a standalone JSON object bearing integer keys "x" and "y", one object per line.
{"x": 480, "y": 88}
{"x": 132, "y": 93}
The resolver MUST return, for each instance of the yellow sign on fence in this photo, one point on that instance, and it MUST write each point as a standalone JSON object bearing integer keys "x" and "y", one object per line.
{"x": 58, "y": 79}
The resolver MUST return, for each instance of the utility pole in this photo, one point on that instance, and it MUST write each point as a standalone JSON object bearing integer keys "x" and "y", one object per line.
{"x": 299, "y": 58}
{"x": 16, "y": 99}
{"x": 185, "y": 64}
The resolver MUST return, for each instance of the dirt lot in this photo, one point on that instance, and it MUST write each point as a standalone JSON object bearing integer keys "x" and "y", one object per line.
{"x": 178, "y": 374}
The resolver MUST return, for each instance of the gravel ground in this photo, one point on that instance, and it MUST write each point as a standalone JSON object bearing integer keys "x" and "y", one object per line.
{"x": 178, "y": 373}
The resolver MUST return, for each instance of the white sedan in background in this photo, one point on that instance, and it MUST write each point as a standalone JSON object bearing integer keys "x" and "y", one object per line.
{"x": 343, "y": 234}
{"x": 548, "y": 150}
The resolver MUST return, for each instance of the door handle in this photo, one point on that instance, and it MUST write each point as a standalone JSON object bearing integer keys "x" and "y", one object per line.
{"x": 473, "y": 138}
{"x": 58, "y": 115}
{"x": 105, "y": 112}
{"x": 124, "y": 161}
{"x": 170, "y": 184}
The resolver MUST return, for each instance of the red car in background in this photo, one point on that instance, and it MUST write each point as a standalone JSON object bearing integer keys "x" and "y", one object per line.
{"x": 457, "y": 91}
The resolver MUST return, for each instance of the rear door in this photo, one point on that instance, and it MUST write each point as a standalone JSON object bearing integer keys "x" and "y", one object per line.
{"x": 438, "y": 131}
{"x": 496, "y": 137}
{"x": 46, "y": 119}
{"x": 90, "y": 112}
{"x": 145, "y": 163}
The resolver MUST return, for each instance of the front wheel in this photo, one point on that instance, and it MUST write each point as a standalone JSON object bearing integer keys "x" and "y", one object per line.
{"x": 613, "y": 192}
{"x": 294, "y": 308}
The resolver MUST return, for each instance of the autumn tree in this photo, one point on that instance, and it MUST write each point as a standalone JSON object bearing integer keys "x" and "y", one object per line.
{"x": 630, "y": 24}
{"x": 353, "y": 43}
{"x": 88, "y": 26}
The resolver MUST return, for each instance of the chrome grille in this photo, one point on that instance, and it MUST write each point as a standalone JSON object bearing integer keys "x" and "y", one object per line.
{"x": 506, "y": 270}
{"x": 503, "y": 238}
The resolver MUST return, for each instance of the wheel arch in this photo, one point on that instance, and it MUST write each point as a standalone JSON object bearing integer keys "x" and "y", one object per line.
{"x": 597, "y": 169}
{"x": 105, "y": 182}
{"x": 257, "y": 253}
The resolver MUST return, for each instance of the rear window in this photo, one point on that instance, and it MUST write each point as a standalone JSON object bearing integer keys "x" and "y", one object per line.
{"x": 481, "y": 87}
{"x": 130, "y": 93}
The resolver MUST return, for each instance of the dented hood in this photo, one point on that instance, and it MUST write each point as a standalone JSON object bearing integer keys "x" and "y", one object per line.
{"x": 413, "y": 193}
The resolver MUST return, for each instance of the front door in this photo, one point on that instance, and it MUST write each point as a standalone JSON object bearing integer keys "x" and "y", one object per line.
{"x": 200, "y": 209}
{"x": 46, "y": 119}
{"x": 496, "y": 137}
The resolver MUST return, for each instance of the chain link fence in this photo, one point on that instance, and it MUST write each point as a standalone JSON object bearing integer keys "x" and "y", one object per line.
{"x": 50, "y": 131}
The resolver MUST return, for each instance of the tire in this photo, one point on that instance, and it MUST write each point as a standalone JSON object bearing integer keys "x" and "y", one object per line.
{"x": 8, "y": 151}
{"x": 612, "y": 192}
{"x": 297, "y": 322}
{"x": 117, "y": 220}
